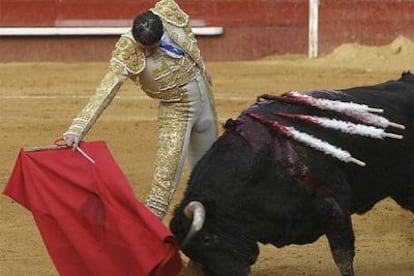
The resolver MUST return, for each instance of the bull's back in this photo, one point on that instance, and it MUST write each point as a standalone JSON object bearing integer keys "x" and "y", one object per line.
{"x": 390, "y": 162}
{"x": 396, "y": 98}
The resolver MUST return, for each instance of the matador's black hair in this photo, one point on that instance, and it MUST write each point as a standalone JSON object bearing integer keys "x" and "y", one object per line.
{"x": 147, "y": 28}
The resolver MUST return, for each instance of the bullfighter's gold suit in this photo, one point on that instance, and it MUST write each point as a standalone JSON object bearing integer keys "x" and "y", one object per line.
{"x": 186, "y": 115}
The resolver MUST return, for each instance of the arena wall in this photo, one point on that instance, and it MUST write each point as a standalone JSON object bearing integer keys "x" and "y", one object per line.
{"x": 252, "y": 29}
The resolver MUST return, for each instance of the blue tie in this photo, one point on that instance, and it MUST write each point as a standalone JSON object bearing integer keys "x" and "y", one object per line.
{"x": 170, "y": 49}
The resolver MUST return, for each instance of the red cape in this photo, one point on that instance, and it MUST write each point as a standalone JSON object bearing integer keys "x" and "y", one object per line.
{"x": 88, "y": 215}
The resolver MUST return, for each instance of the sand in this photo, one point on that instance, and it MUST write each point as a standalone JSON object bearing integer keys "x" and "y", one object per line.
{"x": 38, "y": 101}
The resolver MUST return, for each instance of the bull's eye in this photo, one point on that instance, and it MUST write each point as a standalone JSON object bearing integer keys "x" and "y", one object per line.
{"x": 207, "y": 240}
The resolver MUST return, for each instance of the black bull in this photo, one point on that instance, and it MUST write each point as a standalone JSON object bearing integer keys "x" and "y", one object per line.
{"x": 258, "y": 184}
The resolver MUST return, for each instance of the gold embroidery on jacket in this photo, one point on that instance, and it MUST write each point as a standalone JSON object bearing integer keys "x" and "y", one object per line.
{"x": 128, "y": 54}
{"x": 164, "y": 76}
{"x": 162, "y": 71}
{"x": 187, "y": 43}
{"x": 171, "y": 12}
{"x": 173, "y": 35}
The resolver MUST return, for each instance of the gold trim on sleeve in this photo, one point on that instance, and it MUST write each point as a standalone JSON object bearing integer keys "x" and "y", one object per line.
{"x": 104, "y": 94}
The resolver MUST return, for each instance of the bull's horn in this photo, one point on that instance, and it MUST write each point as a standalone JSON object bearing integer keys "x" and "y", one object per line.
{"x": 197, "y": 212}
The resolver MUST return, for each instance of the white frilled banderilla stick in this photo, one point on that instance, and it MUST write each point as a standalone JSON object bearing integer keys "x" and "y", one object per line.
{"x": 337, "y": 106}
{"x": 360, "y": 112}
{"x": 354, "y": 110}
{"x": 310, "y": 141}
{"x": 343, "y": 126}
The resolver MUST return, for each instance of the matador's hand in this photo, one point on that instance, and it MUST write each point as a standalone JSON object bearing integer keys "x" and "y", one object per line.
{"x": 71, "y": 140}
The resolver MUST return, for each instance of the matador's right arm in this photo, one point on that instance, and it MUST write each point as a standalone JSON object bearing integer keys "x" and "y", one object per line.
{"x": 127, "y": 61}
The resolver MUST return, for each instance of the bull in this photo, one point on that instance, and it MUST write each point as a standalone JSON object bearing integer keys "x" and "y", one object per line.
{"x": 295, "y": 167}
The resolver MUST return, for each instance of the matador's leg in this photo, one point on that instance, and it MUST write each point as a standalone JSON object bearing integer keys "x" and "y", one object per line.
{"x": 173, "y": 137}
{"x": 190, "y": 122}
{"x": 205, "y": 130}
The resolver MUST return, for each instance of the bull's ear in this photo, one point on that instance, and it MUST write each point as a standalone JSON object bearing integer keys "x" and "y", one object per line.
{"x": 230, "y": 124}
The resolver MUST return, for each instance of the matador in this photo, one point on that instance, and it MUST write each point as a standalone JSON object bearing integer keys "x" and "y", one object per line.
{"x": 161, "y": 56}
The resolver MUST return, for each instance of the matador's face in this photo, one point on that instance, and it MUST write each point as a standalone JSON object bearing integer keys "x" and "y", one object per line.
{"x": 148, "y": 49}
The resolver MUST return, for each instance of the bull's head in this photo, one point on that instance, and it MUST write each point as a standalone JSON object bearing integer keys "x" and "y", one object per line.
{"x": 217, "y": 244}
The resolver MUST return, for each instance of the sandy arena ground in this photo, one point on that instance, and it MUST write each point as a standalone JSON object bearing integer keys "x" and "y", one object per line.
{"x": 39, "y": 100}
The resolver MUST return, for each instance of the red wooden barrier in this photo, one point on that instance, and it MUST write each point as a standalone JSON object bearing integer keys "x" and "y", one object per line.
{"x": 252, "y": 28}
